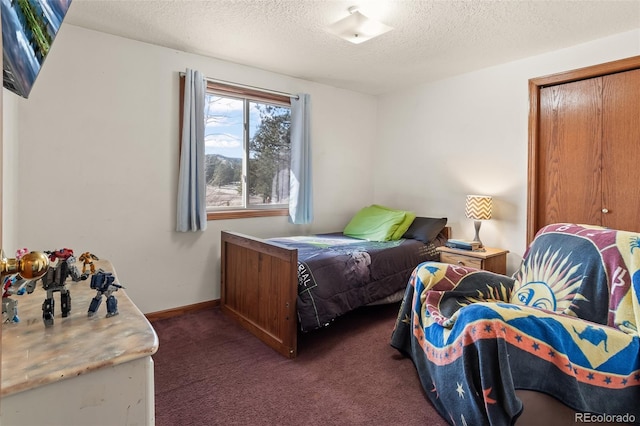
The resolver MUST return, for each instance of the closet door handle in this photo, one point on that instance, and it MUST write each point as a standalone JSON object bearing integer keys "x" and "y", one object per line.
{"x": 605, "y": 211}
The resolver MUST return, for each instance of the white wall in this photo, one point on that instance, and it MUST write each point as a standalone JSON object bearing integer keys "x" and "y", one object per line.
{"x": 97, "y": 163}
{"x": 94, "y": 153}
{"x": 9, "y": 173}
{"x": 468, "y": 135}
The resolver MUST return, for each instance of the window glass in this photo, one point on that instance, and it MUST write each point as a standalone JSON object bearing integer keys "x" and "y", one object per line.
{"x": 223, "y": 151}
{"x": 248, "y": 152}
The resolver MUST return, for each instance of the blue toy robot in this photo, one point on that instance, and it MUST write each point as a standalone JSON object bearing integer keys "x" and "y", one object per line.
{"x": 103, "y": 283}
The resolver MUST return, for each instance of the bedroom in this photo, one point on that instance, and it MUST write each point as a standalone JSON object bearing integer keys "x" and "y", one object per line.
{"x": 102, "y": 121}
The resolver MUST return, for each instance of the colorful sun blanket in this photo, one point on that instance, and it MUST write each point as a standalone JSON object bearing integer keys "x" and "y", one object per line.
{"x": 565, "y": 324}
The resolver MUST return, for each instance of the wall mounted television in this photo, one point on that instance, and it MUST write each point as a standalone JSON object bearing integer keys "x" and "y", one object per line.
{"x": 28, "y": 30}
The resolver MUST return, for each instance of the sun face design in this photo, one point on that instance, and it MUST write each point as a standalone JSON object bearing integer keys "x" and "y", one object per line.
{"x": 494, "y": 292}
{"x": 537, "y": 294}
{"x": 548, "y": 281}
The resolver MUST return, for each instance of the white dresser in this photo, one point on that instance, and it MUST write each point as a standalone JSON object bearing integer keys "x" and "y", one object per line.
{"x": 82, "y": 370}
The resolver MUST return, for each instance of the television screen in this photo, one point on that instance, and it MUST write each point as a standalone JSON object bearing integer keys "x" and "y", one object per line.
{"x": 28, "y": 29}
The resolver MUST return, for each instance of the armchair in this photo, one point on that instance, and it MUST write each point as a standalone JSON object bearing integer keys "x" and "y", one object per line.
{"x": 565, "y": 326}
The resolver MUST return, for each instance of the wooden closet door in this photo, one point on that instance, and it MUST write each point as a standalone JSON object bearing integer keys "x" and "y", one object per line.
{"x": 584, "y": 147}
{"x": 569, "y": 153}
{"x": 621, "y": 150}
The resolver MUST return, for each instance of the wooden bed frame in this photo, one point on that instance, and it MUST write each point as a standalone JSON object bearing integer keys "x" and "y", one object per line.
{"x": 259, "y": 288}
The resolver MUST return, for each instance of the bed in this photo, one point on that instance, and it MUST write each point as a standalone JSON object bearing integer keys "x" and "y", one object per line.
{"x": 277, "y": 287}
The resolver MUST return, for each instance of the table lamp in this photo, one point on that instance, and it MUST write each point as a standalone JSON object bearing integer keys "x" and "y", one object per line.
{"x": 478, "y": 207}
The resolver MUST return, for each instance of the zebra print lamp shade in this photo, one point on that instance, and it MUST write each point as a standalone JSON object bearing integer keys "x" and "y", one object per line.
{"x": 478, "y": 207}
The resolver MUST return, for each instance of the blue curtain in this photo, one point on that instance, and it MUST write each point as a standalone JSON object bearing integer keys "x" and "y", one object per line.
{"x": 300, "y": 194}
{"x": 192, "y": 205}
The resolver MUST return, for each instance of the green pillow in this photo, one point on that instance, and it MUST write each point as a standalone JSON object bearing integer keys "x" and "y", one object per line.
{"x": 375, "y": 223}
{"x": 402, "y": 227}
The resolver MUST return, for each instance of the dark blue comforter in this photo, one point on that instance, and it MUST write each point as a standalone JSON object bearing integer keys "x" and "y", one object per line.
{"x": 337, "y": 274}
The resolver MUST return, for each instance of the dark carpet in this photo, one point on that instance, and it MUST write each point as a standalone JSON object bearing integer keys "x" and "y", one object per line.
{"x": 210, "y": 371}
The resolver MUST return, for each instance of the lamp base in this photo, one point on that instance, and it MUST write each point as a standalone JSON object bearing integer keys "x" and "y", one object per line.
{"x": 477, "y": 224}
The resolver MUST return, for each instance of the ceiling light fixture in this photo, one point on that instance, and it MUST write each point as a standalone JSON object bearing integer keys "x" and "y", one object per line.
{"x": 357, "y": 28}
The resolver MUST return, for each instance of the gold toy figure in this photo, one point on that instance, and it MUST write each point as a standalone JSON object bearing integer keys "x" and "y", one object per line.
{"x": 87, "y": 260}
{"x": 25, "y": 268}
{"x": 29, "y": 266}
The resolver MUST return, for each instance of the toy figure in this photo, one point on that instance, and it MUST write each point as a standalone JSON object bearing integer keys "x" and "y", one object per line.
{"x": 63, "y": 253}
{"x": 87, "y": 259}
{"x": 9, "y": 305}
{"x": 14, "y": 284}
{"x": 24, "y": 285}
{"x": 21, "y": 252}
{"x": 55, "y": 280}
{"x": 19, "y": 275}
{"x": 103, "y": 283}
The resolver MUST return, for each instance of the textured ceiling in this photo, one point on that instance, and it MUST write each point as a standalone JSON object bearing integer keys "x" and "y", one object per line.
{"x": 431, "y": 39}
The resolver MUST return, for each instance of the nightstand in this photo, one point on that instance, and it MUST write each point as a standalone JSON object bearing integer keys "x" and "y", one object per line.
{"x": 491, "y": 259}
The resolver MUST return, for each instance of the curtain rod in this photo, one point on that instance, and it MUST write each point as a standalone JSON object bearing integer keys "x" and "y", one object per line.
{"x": 244, "y": 86}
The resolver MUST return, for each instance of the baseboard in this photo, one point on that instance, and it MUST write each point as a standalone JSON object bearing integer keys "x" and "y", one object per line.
{"x": 169, "y": 313}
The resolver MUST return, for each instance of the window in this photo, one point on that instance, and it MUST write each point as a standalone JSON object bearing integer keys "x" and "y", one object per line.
{"x": 247, "y": 151}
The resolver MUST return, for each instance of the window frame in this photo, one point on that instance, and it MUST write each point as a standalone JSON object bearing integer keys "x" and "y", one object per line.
{"x": 244, "y": 93}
